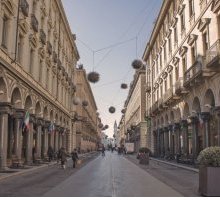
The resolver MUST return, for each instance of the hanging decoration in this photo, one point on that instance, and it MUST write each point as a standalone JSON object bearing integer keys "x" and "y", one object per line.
{"x": 137, "y": 64}
{"x": 93, "y": 77}
{"x": 123, "y": 111}
{"x": 100, "y": 125}
{"x": 76, "y": 101}
{"x": 112, "y": 109}
{"x": 124, "y": 86}
{"x": 106, "y": 127}
{"x": 85, "y": 103}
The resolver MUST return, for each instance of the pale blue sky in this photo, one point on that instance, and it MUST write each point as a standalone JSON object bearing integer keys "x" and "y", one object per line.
{"x": 101, "y": 23}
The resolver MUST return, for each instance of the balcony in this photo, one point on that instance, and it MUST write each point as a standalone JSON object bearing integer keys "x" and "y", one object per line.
{"x": 42, "y": 36}
{"x": 167, "y": 97}
{"x": 194, "y": 74}
{"x": 49, "y": 48}
{"x": 34, "y": 23}
{"x": 24, "y": 8}
{"x": 155, "y": 107}
{"x": 179, "y": 88}
{"x": 213, "y": 56}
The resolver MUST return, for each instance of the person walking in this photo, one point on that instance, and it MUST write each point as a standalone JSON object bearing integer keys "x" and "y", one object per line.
{"x": 74, "y": 157}
{"x": 103, "y": 150}
{"x": 63, "y": 157}
{"x": 50, "y": 153}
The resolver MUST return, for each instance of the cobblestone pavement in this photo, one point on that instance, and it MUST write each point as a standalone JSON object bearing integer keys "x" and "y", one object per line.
{"x": 36, "y": 182}
{"x": 184, "y": 181}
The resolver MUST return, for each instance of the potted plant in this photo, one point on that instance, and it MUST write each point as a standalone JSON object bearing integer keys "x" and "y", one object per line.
{"x": 143, "y": 155}
{"x": 209, "y": 171}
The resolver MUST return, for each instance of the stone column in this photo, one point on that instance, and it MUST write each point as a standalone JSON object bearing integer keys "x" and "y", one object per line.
{"x": 143, "y": 134}
{"x": 19, "y": 116}
{"x": 162, "y": 146}
{"x": 29, "y": 148}
{"x": 217, "y": 110}
{"x": 166, "y": 140}
{"x": 185, "y": 137}
{"x": 158, "y": 142}
{"x": 4, "y": 112}
{"x": 68, "y": 146}
{"x": 171, "y": 139}
{"x": 206, "y": 117}
{"x": 194, "y": 121}
{"x": 178, "y": 139}
{"x": 46, "y": 127}
{"x": 38, "y": 138}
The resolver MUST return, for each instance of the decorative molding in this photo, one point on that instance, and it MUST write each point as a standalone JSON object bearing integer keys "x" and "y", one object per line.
{"x": 8, "y": 6}
{"x": 191, "y": 39}
{"x": 203, "y": 23}
{"x": 33, "y": 40}
{"x": 183, "y": 50}
{"x": 169, "y": 68}
{"x": 181, "y": 9}
{"x": 215, "y": 6}
{"x": 175, "y": 60}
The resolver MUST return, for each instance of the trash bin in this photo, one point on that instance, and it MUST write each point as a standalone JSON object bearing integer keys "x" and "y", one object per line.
{"x": 144, "y": 159}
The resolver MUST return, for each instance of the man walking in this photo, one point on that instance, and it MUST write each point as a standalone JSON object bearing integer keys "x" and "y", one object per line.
{"x": 74, "y": 157}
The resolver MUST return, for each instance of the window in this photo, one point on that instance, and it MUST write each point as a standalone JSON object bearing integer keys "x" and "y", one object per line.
{"x": 171, "y": 80}
{"x": 5, "y": 31}
{"x": 184, "y": 65}
{"x": 40, "y": 71}
{"x": 177, "y": 73}
{"x": 169, "y": 44}
{"x": 205, "y": 42}
{"x": 191, "y": 8}
{"x": 47, "y": 78}
{"x": 161, "y": 90}
{"x": 31, "y": 62}
{"x": 165, "y": 85}
{"x": 175, "y": 35}
{"x": 182, "y": 21}
{"x": 193, "y": 54}
{"x": 20, "y": 48}
{"x": 165, "y": 53}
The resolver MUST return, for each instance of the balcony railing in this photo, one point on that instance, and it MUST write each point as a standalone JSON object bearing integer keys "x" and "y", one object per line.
{"x": 34, "y": 23}
{"x": 213, "y": 55}
{"x": 168, "y": 95}
{"x": 24, "y": 8}
{"x": 42, "y": 36}
{"x": 155, "y": 106}
{"x": 194, "y": 71}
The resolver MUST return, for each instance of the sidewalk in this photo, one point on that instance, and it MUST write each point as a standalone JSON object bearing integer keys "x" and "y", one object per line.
{"x": 10, "y": 172}
{"x": 171, "y": 163}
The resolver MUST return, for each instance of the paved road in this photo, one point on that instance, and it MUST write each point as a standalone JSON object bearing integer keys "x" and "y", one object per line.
{"x": 184, "y": 181}
{"x": 37, "y": 182}
{"x": 110, "y": 176}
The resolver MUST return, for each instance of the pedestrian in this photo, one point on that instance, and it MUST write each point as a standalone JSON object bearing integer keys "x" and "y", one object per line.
{"x": 74, "y": 157}
{"x": 63, "y": 158}
{"x": 50, "y": 153}
{"x": 103, "y": 150}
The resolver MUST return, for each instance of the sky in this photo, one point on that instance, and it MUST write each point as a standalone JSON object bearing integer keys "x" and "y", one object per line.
{"x": 116, "y": 32}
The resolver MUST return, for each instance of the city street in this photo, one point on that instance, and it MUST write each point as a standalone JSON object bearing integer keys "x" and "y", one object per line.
{"x": 112, "y": 175}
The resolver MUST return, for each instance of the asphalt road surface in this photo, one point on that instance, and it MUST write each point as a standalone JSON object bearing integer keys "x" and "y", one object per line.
{"x": 111, "y": 176}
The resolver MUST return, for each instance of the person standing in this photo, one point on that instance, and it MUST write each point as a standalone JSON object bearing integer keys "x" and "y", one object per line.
{"x": 50, "y": 153}
{"x": 63, "y": 158}
{"x": 103, "y": 150}
{"x": 74, "y": 157}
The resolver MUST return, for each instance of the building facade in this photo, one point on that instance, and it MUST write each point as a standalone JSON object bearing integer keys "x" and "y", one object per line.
{"x": 134, "y": 124}
{"x": 87, "y": 127}
{"x": 183, "y": 95}
{"x": 38, "y": 56}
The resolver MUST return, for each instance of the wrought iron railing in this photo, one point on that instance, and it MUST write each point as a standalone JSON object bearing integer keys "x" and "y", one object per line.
{"x": 194, "y": 70}
{"x": 213, "y": 52}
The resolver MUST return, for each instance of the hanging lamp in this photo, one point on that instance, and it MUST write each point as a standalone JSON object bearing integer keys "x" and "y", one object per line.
{"x": 137, "y": 64}
{"x": 112, "y": 109}
{"x": 93, "y": 77}
{"x": 124, "y": 86}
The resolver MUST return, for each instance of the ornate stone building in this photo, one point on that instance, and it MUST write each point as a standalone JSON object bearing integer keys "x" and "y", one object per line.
{"x": 38, "y": 56}
{"x": 87, "y": 129}
{"x": 183, "y": 78}
{"x": 133, "y": 122}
